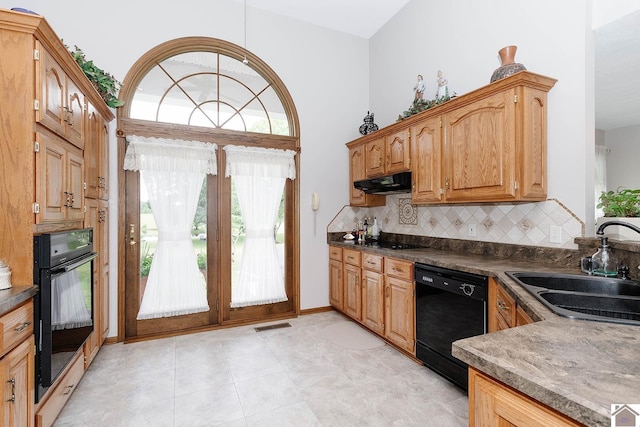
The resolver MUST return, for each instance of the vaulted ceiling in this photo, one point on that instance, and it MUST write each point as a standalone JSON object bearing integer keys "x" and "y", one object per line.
{"x": 617, "y": 92}
{"x": 362, "y": 18}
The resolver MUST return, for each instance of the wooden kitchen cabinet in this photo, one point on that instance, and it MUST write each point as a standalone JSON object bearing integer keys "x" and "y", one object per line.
{"x": 352, "y": 284}
{"x": 493, "y": 146}
{"x": 375, "y": 158}
{"x": 17, "y": 366}
{"x": 356, "y": 173}
{"x": 60, "y": 178}
{"x": 336, "y": 284}
{"x": 522, "y": 318}
{"x": 373, "y": 288}
{"x": 96, "y": 155}
{"x": 426, "y": 155}
{"x": 479, "y": 152}
{"x": 387, "y": 154}
{"x": 39, "y": 81}
{"x": 97, "y": 218}
{"x": 492, "y": 403}
{"x": 400, "y": 304}
{"x": 61, "y": 103}
{"x": 44, "y": 146}
{"x": 503, "y": 310}
{"x": 488, "y": 145}
{"x": 378, "y": 292}
{"x": 16, "y": 376}
{"x": 398, "y": 151}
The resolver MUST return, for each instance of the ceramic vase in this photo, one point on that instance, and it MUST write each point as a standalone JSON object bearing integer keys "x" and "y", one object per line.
{"x": 509, "y": 66}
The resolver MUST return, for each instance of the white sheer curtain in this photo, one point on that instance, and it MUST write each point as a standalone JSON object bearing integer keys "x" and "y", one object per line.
{"x": 173, "y": 171}
{"x": 259, "y": 175}
{"x": 601, "y": 174}
{"x": 68, "y": 306}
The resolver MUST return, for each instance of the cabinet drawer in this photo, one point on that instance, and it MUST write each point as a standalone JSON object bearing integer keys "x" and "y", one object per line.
{"x": 16, "y": 326}
{"x": 398, "y": 268}
{"x": 60, "y": 392}
{"x": 335, "y": 253}
{"x": 372, "y": 262}
{"x": 349, "y": 256}
{"x": 505, "y": 307}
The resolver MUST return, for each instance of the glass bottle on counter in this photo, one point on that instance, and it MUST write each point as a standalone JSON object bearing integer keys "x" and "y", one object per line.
{"x": 604, "y": 262}
{"x": 375, "y": 228}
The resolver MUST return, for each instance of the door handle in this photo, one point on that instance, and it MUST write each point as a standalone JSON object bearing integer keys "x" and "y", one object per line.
{"x": 132, "y": 234}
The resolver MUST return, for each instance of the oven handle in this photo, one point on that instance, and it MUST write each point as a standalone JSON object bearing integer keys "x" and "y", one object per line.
{"x": 74, "y": 264}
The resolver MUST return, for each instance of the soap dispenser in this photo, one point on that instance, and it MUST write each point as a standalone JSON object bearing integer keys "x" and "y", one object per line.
{"x": 604, "y": 262}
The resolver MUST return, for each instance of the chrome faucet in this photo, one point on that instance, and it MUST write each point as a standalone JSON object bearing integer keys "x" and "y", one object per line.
{"x": 604, "y": 225}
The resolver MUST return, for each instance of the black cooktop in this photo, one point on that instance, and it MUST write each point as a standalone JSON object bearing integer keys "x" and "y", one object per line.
{"x": 390, "y": 245}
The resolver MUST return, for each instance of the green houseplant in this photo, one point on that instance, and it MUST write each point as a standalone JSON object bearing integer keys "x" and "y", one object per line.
{"x": 106, "y": 85}
{"x": 620, "y": 203}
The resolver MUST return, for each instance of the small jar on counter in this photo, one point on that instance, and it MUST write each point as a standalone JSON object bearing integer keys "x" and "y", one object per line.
{"x": 5, "y": 275}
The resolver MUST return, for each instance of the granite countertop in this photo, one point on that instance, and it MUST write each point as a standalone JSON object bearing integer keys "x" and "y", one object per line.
{"x": 577, "y": 367}
{"x": 14, "y": 296}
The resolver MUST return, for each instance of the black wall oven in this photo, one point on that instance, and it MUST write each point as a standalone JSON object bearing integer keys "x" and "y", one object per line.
{"x": 63, "y": 271}
{"x": 450, "y": 305}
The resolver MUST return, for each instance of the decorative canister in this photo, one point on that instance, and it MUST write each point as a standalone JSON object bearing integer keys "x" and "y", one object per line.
{"x": 509, "y": 66}
{"x": 5, "y": 276}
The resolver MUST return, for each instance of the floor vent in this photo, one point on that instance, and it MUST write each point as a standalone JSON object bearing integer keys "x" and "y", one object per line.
{"x": 276, "y": 326}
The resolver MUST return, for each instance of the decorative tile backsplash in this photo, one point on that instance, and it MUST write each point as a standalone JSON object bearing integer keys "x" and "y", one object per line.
{"x": 522, "y": 223}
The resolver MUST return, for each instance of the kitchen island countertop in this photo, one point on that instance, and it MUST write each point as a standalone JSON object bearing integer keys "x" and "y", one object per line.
{"x": 577, "y": 367}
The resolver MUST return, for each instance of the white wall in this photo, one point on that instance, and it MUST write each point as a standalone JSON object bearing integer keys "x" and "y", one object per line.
{"x": 325, "y": 71}
{"x": 622, "y": 160}
{"x": 605, "y": 11}
{"x": 462, "y": 37}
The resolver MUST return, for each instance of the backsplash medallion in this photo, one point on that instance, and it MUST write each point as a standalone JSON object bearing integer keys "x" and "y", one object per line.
{"x": 521, "y": 224}
{"x": 408, "y": 213}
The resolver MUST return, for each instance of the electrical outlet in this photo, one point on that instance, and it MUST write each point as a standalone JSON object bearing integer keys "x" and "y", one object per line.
{"x": 471, "y": 230}
{"x": 555, "y": 234}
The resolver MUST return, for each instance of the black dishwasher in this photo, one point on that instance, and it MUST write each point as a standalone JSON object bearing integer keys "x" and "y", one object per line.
{"x": 450, "y": 305}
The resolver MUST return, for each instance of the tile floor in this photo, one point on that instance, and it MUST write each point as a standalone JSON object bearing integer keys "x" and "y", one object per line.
{"x": 239, "y": 377}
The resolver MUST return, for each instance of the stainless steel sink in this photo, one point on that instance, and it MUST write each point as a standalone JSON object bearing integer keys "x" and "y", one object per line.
{"x": 584, "y": 297}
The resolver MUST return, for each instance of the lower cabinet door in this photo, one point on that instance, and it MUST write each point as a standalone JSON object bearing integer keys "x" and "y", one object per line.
{"x": 17, "y": 375}
{"x": 400, "y": 314}
{"x": 373, "y": 301}
{"x": 352, "y": 292}
{"x": 336, "y": 286}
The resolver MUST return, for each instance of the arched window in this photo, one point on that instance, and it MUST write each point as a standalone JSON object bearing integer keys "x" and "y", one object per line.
{"x": 209, "y": 89}
{"x": 207, "y": 82}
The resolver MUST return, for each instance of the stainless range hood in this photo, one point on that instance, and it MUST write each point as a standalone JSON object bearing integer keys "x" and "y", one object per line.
{"x": 390, "y": 184}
